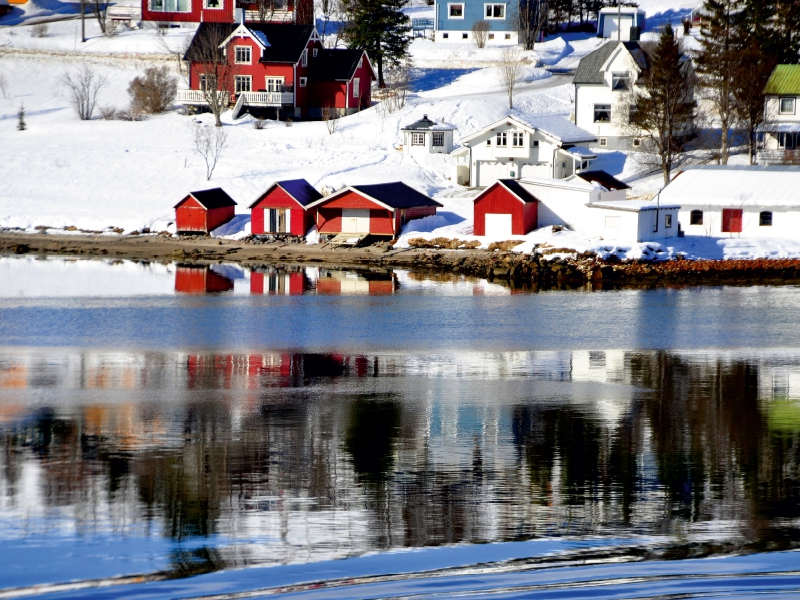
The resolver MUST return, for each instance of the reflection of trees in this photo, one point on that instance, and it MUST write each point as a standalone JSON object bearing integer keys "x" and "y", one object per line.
{"x": 370, "y": 437}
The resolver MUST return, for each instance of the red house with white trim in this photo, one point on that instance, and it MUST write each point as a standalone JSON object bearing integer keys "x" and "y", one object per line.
{"x": 380, "y": 209}
{"x": 505, "y": 208}
{"x": 282, "y": 208}
{"x": 279, "y": 70}
{"x": 222, "y": 11}
{"x": 204, "y": 211}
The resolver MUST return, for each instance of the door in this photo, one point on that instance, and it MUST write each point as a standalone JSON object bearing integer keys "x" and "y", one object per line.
{"x": 489, "y": 172}
{"x": 355, "y": 220}
{"x": 498, "y": 225}
{"x": 732, "y": 220}
{"x": 277, "y": 220}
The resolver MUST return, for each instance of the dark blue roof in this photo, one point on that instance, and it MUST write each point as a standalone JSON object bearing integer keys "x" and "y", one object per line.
{"x": 299, "y": 189}
{"x": 519, "y": 191}
{"x": 396, "y": 194}
{"x": 213, "y": 198}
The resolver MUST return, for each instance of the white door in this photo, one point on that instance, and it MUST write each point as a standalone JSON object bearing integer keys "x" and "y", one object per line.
{"x": 610, "y": 27}
{"x": 498, "y": 225}
{"x": 355, "y": 220}
{"x": 489, "y": 172}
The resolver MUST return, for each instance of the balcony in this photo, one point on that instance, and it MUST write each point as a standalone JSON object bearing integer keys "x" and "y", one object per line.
{"x": 267, "y": 98}
{"x": 778, "y": 157}
{"x": 198, "y": 97}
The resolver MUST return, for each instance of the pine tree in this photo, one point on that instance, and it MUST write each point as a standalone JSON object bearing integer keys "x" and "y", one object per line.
{"x": 21, "y": 125}
{"x": 380, "y": 28}
{"x": 775, "y": 25}
{"x": 716, "y": 63}
{"x": 663, "y": 109}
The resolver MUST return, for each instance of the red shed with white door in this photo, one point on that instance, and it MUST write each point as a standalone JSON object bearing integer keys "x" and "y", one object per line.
{"x": 283, "y": 208}
{"x": 380, "y": 209}
{"x": 204, "y": 211}
{"x": 505, "y": 208}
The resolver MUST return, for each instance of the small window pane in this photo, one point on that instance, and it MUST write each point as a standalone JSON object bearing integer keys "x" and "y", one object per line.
{"x": 456, "y": 11}
{"x": 619, "y": 81}
{"x": 438, "y": 138}
{"x": 696, "y": 217}
{"x": 787, "y": 105}
{"x": 417, "y": 139}
{"x": 602, "y": 113}
{"x": 765, "y": 219}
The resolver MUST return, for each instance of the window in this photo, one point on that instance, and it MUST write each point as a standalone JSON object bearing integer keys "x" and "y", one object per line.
{"x": 613, "y": 222}
{"x": 489, "y": 142}
{"x": 603, "y": 142}
{"x": 204, "y": 82}
{"x": 667, "y": 221}
{"x": 731, "y": 220}
{"x": 765, "y": 218}
{"x": 356, "y": 86}
{"x": 535, "y": 143}
{"x": 464, "y": 36}
{"x": 243, "y": 83}
{"x": 170, "y": 6}
{"x": 636, "y": 142}
{"x": 242, "y": 55}
{"x": 495, "y": 11}
{"x": 502, "y": 139}
{"x": 417, "y": 139}
{"x": 303, "y": 81}
{"x": 786, "y": 141}
{"x": 277, "y": 220}
{"x": 274, "y": 84}
{"x": 516, "y": 139}
{"x": 445, "y": 36}
{"x": 304, "y": 58}
{"x": 619, "y": 81}
{"x": 508, "y": 36}
{"x": 455, "y": 11}
{"x": 491, "y": 36}
{"x": 438, "y": 138}
{"x": 787, "y": 106}
{"x": 602, "y": 113}
{"x": 316, "y": 51}
{"x": 212, "y": 4}
{"x": 696, "y": 217}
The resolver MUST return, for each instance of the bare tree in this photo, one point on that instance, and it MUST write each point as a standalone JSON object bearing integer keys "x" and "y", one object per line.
{"x": 99, "y": 9}
{"x": 510, "y": 71}
{"x": 154, "y": 92}
{"x": 398, "y": 84}
{"x": 3, "y": 85}
{"x": 331, "y": 117}
{"x": 480, "y": 32}
{"x": 82, "y": 89}
{"x": 334, "y": 16}
{"x": 532, "y": 21}
{"x": 209, "y": 142}
{"x": 217, "y": 71}
{"x": 177, "y": 51}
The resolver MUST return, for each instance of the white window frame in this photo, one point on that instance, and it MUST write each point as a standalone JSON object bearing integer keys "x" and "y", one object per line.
{"x": 603, "y": 142}
{"x": 595, "y": 109}
{"x": 780, "y": 105}
{"x": 449, "y": 8}
{"x": 315, "y": 52}
{"x": 667, "y": 221}
{"x": 304, "y": 58}
{"x": 437, "y": 139}
{"x": 220, "y": 7}
{"x": 243, "y": 78}
{"x": 356, "y": 87}
{"x": 151, "y": 8}
{"x": 517, "y": 135}
{"x": 277, "y": 82}
{"x": 636, "y": 142}
{"x": 489, "y": 7}
{"x": 620, "y": 81}
{"x": 303, "y": 81}
{"x": 417, "y": 139}
{"x": 502, "y": 139}
{"x": 249, "y": 60}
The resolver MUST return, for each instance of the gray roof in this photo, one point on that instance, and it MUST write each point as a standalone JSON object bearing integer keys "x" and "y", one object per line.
{"x": 426, "y": 123}
{"x": 589, "y": 67}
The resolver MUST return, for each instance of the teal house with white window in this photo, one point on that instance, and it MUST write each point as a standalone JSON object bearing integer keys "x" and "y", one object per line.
{"x": 454, "y": 21}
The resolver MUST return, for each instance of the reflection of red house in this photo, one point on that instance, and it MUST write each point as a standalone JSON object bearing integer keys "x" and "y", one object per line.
{"x": 282, "y": 208}
{"x": 202, "y": 212}
{"x": 200, "y": 280}
{"x": 380, "y": 209}
{"x": 505, "y": 208}
{"x": 338, "y": 283}
{"x": 277, "y": 282}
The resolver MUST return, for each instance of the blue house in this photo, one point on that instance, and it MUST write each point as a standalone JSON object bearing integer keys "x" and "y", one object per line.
{"x": 455, "y": 18}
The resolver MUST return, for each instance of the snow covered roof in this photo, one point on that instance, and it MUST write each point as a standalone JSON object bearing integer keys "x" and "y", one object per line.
{"x": 625, "y": 10}
{"x": 426, "y": 124}
{"x": 779, "y": 127}
{"x": 580, "y": 152}
{"x": 213, "y": 198}
{"x": 261, "y": 37}
{"x": 634, "y": 205}
{"x": 299, "y": 189}
{"x": 737, "y": 186}
{"x": 553, "y": 126}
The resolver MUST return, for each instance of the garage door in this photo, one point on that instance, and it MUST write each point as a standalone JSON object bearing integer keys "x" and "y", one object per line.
{"x": 498, "y": 225}
{"x": 489, "y": 172}
{"x": 355, "y": 220}
{"x": 610, "y": 27}
{"x": 535, "y": 170}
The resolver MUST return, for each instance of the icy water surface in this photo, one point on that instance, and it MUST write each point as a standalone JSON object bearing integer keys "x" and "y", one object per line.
{"x": 338, "y": 435}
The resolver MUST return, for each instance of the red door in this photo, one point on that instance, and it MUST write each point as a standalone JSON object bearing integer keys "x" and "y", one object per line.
{"x": 732, "y": 220}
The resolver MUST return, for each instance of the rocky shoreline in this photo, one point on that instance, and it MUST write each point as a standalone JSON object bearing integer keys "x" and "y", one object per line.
{"x": 552, "y": 268}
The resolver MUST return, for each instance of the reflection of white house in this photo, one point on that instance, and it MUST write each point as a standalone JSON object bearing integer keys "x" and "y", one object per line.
{"x": 747, "y": 201}
{"x": 593, "y": 202}
{"x": 631, "y": 17}
{"x": 780, "y": 131}
{"x": 603, "y": 83}
{"x": 514, "y": 147}
{"x": 428, "y": 136}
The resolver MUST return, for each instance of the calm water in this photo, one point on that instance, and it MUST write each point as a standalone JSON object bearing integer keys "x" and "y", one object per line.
{"x": 384, "y": 435}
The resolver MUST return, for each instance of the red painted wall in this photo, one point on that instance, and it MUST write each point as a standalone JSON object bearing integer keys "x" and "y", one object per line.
{"x": 297, "y": 283}
{"x": 329, "y": 214}
{"x": 301, "y": 219}
{"x": 193, "y": 280}
{"x": 498, "y": 200}
{"x": 191, "y": 216}
{"x": 196, "y": 13}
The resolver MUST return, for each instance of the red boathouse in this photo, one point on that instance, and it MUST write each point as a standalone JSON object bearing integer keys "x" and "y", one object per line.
{"x": 380, "y": 209}
{"x": 505, "y": 208}
{"x": 204, "y": 211}
{"x": 200, "y": 280}
{"x": 282, "y": 208}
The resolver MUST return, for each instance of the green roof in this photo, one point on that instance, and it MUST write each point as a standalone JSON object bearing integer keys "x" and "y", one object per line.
{"x": 785, "y": 79}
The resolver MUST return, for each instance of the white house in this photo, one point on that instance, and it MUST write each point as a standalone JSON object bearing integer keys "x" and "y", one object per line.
{"x": 514, "y": 147}
{"x": 603, "y": 83}
{"x": 632, "y": 19}
{"x": 594, "y": 203}
{"x": 428, "y": 136}
{"x": 780, "y": 132}
{"x": 741, "y": 201}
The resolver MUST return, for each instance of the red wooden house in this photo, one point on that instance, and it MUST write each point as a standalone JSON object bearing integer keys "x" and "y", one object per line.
{"x": 380, "y": 209}
{"x": 222, "y": 11}
{"x": 282, "y": 208}
{"x": 200, "y": 280}
{"x": 204, "y": 211}
{"x": 505, "y": 208}
{"x": 278, "y": 282}
{"x": 278, "y": 70}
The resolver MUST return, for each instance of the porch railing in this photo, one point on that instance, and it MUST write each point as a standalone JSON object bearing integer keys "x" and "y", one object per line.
{"x": 783, "y": 157}
{"x": 198, "y": 97}
{"x": 267, "y": 98}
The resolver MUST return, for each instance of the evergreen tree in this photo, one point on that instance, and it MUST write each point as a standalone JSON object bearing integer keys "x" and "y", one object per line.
{"x": 663, "y": 109}
{"x": 775, "y": 25}
{"x": 381, "y": 28}
{"x": 716, "y": 63}
{"x": 21, "y": 125}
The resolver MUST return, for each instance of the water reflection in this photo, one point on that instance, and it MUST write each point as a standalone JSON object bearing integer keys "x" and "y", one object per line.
{"x": 294, "y": 457}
